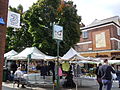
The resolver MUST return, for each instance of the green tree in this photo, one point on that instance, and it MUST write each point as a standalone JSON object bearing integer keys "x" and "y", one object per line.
{"x": 43, "y": 14}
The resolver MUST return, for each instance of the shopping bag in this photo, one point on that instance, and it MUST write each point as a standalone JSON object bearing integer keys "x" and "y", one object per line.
{"x": 114, "y": 76}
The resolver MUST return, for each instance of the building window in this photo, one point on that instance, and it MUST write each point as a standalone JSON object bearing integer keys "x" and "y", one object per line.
{"x": 118, "y": 45}
{"x": 118, "y": 31}
{"x": 84, "y": 34}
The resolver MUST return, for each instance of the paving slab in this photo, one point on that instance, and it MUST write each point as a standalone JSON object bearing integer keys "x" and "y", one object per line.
{"x": 86, "y": 85}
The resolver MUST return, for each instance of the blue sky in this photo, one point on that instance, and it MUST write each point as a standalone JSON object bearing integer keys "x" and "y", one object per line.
{"x": 88, "y": 9}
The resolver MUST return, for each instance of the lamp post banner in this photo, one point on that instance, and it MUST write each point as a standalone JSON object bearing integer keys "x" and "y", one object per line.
{"x": 13, "y": 20}
{"x": 57, "y": 32}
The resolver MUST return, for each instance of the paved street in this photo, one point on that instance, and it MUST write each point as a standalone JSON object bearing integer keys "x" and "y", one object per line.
{"x": 86, "y": 85}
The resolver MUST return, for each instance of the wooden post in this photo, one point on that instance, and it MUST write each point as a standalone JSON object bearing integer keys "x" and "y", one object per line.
{"x": 3, "y": 28}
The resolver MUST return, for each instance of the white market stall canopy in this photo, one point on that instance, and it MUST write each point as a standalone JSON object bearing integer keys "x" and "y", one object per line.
{"x": 34, "y": 52}
{"x": 71, "y": 54}
{"x": 10, "y": 53}
{"x": 85, "y": 61}
{"x": 93, "y": 59}
{"x": 114, "y": 61}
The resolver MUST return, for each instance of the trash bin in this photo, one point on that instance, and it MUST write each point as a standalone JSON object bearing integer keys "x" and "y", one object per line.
{"x": 5, "y": 71}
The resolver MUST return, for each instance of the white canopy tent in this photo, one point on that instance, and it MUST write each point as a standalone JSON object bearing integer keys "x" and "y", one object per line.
{"x": 85, "y": 61}
{"x": 72, "y": 54}
{"x": 34, "y": 52}
{"x": 113, "y": 62}
{"x": 10, "y": 53}
{"x": 93, "y": 59}
{"x": 30, "y": 53}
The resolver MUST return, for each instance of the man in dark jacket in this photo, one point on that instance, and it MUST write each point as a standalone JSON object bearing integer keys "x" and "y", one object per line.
{"x": 105, "y": 73}
{"x": 99, "y": 80}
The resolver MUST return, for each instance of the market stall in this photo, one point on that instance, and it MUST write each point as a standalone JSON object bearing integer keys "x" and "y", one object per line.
{"x": 31, "y": 54}
{"x": 77, "y": 61}
{"x": 8, "y": 55}
{"x": 71, "y": 54}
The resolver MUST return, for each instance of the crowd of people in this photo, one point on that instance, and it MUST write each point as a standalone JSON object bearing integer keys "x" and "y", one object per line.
{"x": 16, "y": 70}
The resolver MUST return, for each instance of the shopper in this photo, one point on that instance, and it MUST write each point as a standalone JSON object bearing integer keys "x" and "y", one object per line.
{"x": 18, "y": 77}
{"x": 118, "y": 75}
{"x": 13, "y": 66}
{"x": 105, "y": 73}
{"x": 99, "y": 80}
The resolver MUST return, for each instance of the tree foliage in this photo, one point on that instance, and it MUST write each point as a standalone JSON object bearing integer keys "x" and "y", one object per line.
{"x": 37, "y": 27}
{"x": 43, "y": 14}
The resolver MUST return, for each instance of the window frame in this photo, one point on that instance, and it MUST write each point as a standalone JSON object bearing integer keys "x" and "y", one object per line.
{"x": 85, "y": 34}
{"x": 118, "y": 45}
{"x": 118, "y": 31}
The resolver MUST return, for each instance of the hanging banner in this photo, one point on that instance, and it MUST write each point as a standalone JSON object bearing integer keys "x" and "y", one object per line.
{"x": 13, "y": 20}
{"x": 57, "y": 32}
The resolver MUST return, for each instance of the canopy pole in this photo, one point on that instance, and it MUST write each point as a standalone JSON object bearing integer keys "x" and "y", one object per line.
{"x": 29, "y": 57}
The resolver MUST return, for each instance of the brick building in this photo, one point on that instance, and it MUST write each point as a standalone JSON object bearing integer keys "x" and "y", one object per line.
{"x": 101, "y": 38}
{"x": 3, "y": 28}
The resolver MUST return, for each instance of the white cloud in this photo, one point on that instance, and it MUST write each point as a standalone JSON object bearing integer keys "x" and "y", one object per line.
{"x": 25, "y": 3}
{"x": 97, "y": 9}
{"x": 88, "y": 9}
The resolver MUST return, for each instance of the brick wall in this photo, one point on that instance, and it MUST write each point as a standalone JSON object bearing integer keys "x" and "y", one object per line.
{"x": 110, "y": 32}
{"x": 3, "y": 14}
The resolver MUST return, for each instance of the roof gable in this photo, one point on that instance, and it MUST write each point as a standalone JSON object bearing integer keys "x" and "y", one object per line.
{"x": 96, "y": 22}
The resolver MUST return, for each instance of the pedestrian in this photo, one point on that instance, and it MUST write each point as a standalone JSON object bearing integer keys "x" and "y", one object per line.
{"x": 18, "y": 77}
{"x": 44, "y": 70}
{"x": 99, "y": 80}
{"x": 105, "y": 72}
{"x": 13, "y": 67}
{"x": 118, "y": 75}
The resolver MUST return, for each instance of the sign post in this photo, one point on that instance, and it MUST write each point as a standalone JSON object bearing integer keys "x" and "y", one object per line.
{"x": 58, "y": 36}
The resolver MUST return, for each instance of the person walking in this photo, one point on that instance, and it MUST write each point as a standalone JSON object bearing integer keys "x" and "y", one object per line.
{"x": 18, "y": 77}
{"x": 99, "y": 80}
{"x": 118, "y": 75}
{"x": 105, "y": 72}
